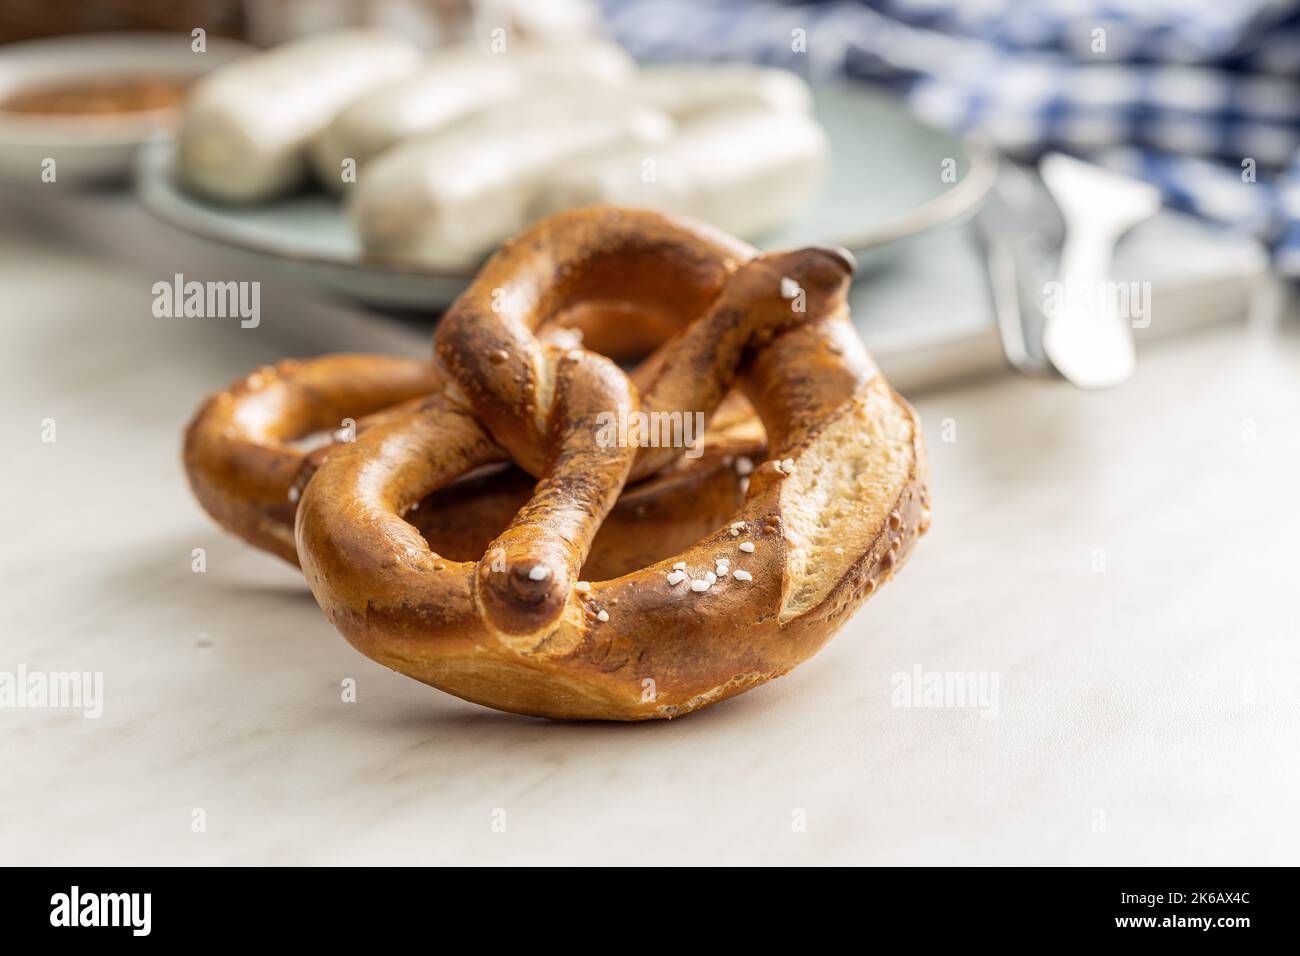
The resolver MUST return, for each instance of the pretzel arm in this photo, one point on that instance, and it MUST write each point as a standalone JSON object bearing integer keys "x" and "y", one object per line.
{"x": 524, "y": 580}
{"x": 526, "y": 575}
{"x": 694, "y": 371}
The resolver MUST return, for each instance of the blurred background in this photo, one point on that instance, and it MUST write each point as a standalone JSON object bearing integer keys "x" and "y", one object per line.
{"x": 1196, "y": 100}
{"x": 1076, "y": 231}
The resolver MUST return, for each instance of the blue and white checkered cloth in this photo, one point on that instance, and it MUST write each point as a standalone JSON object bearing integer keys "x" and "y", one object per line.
{"x": 1199, "y": 97}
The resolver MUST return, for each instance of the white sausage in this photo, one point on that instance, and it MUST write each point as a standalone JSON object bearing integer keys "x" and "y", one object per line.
{"x": 684, "y": 90}
{"x": 459, "y": 82}
{"x": 245, "y": 128}
{"x": 745, "y": 171}
{"x": 446, "y": 199}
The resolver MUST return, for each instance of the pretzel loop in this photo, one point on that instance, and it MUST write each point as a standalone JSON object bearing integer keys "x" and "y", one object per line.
{"x": 239, "y": 451}
{"x": 653, "y": 270}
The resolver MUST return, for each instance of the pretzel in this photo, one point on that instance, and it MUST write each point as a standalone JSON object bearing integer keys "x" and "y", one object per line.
{"x": 835, "y": 509}
{"x": 247, "y": 466}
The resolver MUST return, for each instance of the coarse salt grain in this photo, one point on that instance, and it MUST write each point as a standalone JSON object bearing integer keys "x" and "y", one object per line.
{"x": 539, "y": 572}
{"x": 583, "y": 586}
{"x": 742, "y": 575}
{"x": 603, "y": 615}
{"x": 747, "y": 547}
{"x": 699, "y": 585}
{"x": 676, "y": 577}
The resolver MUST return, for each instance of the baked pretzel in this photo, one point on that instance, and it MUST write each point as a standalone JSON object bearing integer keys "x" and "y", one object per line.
{"x": 247, "y": 464}
{"x": 835, "y": 509}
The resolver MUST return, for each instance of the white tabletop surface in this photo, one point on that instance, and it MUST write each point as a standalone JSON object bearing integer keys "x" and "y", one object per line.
{"x": 1124, "y": 564}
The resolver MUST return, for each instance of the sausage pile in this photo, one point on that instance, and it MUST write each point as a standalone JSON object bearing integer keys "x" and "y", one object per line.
{"x": 440, "y": 159}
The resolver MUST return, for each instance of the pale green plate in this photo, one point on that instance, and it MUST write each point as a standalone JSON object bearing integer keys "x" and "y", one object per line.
{"x": 886, "y": 182}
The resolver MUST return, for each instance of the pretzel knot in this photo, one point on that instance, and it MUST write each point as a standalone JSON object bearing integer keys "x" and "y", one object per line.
{"x": 833, "y": 510}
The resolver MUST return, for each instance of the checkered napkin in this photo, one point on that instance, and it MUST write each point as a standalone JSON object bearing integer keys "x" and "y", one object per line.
{"x": 1199, "y": 97}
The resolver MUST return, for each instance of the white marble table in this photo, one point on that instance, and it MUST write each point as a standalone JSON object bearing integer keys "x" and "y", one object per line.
{"x": 1123, "y": 563}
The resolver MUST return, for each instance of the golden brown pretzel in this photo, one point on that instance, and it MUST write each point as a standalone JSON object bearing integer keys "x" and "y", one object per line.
{"x": 238, "y": 455}
{"x": 247, "y": 466}
{"x": 835, "y": 509}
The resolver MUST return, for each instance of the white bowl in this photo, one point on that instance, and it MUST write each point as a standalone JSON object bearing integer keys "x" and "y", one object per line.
{"x": 97, "y": 146}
